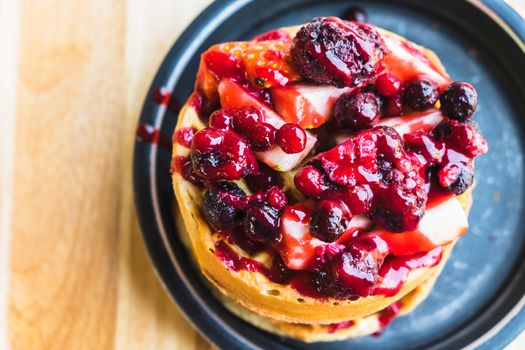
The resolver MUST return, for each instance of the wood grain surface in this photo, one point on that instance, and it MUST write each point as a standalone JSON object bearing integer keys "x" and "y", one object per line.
{"x": 74, "y": 273}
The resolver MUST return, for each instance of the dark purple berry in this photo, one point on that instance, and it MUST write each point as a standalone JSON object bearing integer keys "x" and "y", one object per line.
{"x": 262, "y": 222}
{"x": 356, "y": 110}
{"x": 421, "y": 94}
{"x": 222, "y": 205}
{"x": 264, "y": 179}
{"x": 355, "y": 13}
{"x": 330, "y": 218}
{"x": 459, "y": 101}
{"x": 328, "y": 50}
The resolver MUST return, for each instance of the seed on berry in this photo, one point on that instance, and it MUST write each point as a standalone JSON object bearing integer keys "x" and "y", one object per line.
{"x": 356, "y": 110}
{"x": 459, "y": 101}
{"x": 291, "y": 138}
{"x": 421, "y": 94}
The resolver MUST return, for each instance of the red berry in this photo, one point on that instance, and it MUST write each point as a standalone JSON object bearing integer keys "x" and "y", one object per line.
{"x": 310, "y": 181}
{"x": 388, "y": 84}
{"x": 221, "y": 154}
{"x": 421, "y": 94}
{"x": 262, "y": 222}
{"x": 357, "y": 110}
{"x": 221, "y": 119}
{"x": 291, "y": 138}
{"x": 262, "y": 137}
{"x": 246, "y": 120}
{"x": 357, "y": 269}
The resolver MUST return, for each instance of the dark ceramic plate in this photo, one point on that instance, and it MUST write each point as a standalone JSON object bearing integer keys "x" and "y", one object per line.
{"x": 478, "y": 300}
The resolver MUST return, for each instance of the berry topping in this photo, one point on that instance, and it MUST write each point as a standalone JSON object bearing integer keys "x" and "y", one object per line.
{"x": 262, "y": 137}
{"x": 421, "y": 94}
{"x": 330, "y": 219}
{"x": 388, "y": 84}
{"x": 246, "y": 119}
{"x": 356, "y": 13}
{"x": 391, "y": 188}
{"x": 221, "y": 154}
{"x": 222, "y": 205}
{"x": 357, "y": 110}
{"x": 328, "y": 50}
{"x": 261, "y": 222}
{"x": 357, "y": 270}
{"x": 462, "y": 137}
{"x": 221, "y": 119}
{"x": 456, "y": 177}
{"x": 459, "y": 101}
{"x": 291, "y": 138}
{"x": 264, "y": 179}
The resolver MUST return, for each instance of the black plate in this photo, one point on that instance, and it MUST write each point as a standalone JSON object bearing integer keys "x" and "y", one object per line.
{"x": 478, "y": 300}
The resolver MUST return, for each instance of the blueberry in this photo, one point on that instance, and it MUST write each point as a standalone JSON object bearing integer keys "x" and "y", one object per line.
{"x": 222, "y": 205}
{"x": 459, "y": 101}
{"x": 330, "y": 219}
{"x": 357, "y": 110}
{"x": 262, "y": 222}
{"x": 421, "y": 94}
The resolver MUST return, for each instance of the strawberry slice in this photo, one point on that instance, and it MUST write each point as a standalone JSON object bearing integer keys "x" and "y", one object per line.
{"x": 310, "y": 106}
{"x": 262, "y": 64}
{"x": 233, "y": 95}
{"x": 432, "y": 231}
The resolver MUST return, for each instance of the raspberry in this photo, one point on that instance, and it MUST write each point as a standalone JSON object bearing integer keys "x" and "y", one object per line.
{"x": 328, "y": 50}
{"x": 221, "y": 154}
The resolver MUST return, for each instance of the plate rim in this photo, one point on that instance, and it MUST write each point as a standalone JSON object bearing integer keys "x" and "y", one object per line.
{"x": 211, "y": 17}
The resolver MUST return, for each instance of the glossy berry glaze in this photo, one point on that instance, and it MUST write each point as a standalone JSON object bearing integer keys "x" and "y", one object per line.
{"x": 363, "y": 213}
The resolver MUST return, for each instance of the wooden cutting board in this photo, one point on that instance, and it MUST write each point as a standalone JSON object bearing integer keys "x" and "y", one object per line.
{"x": 73, "y": 270}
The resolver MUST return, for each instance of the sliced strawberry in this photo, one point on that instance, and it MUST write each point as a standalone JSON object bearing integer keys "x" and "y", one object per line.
{"x": 431, "y": 232}
{"x": 310, "y": 106}
{"x": 233, "y": 95}
{"x": 424, "y": 121}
